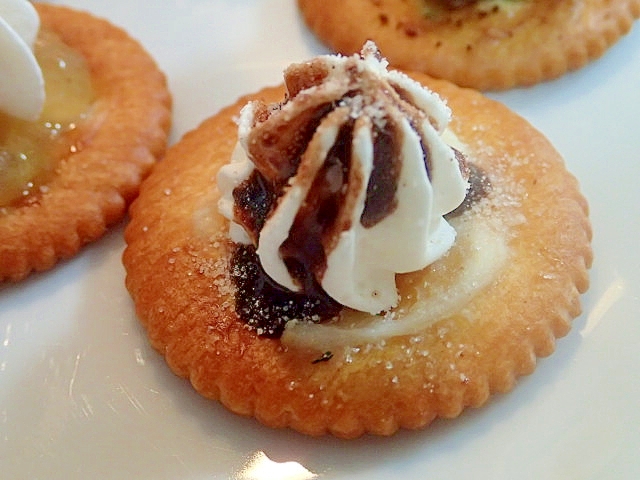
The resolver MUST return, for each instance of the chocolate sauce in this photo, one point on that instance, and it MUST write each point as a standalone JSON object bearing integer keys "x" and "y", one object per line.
{"x": 381, "y": 198}
{"x": 303, "y": 252}
{"x": 266, "y": 306}
{"x": 276, "y": 149}
{"x": 479, "y": 187}
{"x": 253, "y": 201}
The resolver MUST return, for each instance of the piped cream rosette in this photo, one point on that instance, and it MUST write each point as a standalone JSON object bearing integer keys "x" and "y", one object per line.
{"x": 374, "y": 139}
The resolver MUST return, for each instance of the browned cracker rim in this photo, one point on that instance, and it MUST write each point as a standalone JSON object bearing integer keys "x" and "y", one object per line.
{"x": 490, "y": 45}
{"x": 176, "y": 261}
{"x": 124, "y": 136}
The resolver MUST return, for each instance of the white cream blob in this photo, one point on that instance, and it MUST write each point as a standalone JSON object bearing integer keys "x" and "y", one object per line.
{"x": 362, "y": 261}
{"x": 22, "y": 91}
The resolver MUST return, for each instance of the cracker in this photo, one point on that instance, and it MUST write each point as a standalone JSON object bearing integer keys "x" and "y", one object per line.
{"x": 177, "y": 264}
{"x": 489, "y": 45}
{"x": 124, "y": 136}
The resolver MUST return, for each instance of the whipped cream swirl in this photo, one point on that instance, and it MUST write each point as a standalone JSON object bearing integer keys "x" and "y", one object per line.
{"x": 22, "y": 93}
{"x": 346, "y": 182}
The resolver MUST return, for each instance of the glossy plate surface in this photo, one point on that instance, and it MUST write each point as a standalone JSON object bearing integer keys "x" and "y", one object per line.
{"x": 82, "y": 395}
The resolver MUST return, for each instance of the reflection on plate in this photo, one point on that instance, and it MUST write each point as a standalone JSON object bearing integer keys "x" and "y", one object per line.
{"x": 82, "y": 395}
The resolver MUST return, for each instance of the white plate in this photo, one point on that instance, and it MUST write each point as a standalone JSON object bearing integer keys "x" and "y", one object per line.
{"x": 82, "y": 395}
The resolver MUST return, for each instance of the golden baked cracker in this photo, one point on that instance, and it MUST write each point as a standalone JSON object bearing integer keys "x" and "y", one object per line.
{"x": 488, "y": 45}
{"x": 124, "y": 135}
{"x": 177, "y": 264}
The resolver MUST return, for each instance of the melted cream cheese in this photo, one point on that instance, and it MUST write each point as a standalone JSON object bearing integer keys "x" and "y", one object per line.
{"x": 480, "y": 252}
{"x": 22, "y": 91}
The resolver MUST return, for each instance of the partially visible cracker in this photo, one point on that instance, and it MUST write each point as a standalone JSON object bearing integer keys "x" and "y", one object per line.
{"x": 489, "y": 45}
{"x": 177, "y": 264}
{"x": 123, "y": 137}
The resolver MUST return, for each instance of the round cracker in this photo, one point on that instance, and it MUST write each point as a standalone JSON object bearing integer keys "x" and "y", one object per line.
{"x": 518, "y": 44}
{"x": 177, "y": 261}
{"x": 121, "y": 140}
